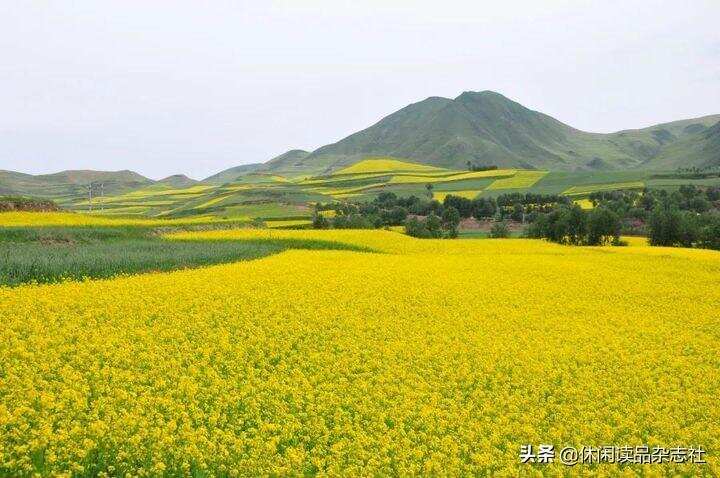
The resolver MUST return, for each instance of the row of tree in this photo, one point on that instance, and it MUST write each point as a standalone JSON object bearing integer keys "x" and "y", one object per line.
{"x": 425, "y": 217}
{"x": 670, "y": 226}
{"x": 639, "y": 203}
{"x": 570, "y": 224}
{"x": 688, "y": 217}
{"x": 421, "y": 217}
{"x": 481, "y": 167}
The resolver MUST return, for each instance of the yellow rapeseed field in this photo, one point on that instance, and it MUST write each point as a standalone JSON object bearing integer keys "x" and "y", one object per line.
{"x": 427, "y": 357}
{"x": 591, "y": 188}
{"x": 287, "y": 222}
{"x": 416, "y": 179}
{"x": 383, "y": 165}
{"x": 468, "y": 194}
{"x": 523, "y": 179}
{"x": 40, "y": 219}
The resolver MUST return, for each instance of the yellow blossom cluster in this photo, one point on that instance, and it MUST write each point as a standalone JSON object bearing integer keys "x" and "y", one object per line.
{"x": 422, "y": 358}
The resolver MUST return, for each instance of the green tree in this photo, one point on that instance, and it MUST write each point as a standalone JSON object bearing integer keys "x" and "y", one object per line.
{"x": 429, "y": 188}
{"x": 434, "y": 225}
{"x": 603, "y": 227}
{"x": 320, "y": 222}
{"x": 450, "y": 218}
{"x": 710, "y": 234}
{"x": 665, "y": 225}
{"x": 499, "y": 230}
{"x": 573, "y": 225}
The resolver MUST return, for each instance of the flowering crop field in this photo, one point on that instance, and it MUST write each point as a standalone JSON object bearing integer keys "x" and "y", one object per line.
{"x": 386, "y": 165}
{"x": 592, "y": 188}
{"x": 522, "y": 179}
{"x": 426, "y": 357}
{"x": 71, "y": 219}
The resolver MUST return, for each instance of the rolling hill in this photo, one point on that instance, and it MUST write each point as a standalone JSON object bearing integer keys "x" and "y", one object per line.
{"x": 230, "y": 174}
{"x": 69, "y": 185}
{"x": 488, "y": 128}
{"x": 483, "y": 128}
{"x": 700, "y": 149}
{"x": 178, "y": 181}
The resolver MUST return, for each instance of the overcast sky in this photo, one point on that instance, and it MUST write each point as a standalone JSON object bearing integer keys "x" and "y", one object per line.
{"x": 164, "y": 87}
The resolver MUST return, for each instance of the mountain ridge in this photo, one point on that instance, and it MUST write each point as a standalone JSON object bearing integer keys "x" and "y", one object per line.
{"x": 484, "y": 128}
{"x": 71, "y": 182}
{"x": 488, "y": 128}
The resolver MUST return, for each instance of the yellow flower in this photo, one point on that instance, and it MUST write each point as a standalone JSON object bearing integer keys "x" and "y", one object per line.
{"x": 422, "y": 357}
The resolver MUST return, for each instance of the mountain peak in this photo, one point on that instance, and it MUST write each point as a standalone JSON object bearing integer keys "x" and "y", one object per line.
{"x": 83, "y": 176}
{"x": 485, "y": 94}
{"x": 178, "y": 180}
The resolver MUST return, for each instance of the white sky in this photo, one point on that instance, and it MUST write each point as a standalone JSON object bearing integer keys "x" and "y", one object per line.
{"x": 164, "y": 87}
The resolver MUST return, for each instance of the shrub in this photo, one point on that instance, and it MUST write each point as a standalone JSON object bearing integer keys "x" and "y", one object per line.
{"x": 603, "y": 227}
{"x": 499, "y": 230}
{"x": 320, "y": 222}
{"x": 665, "y": 224}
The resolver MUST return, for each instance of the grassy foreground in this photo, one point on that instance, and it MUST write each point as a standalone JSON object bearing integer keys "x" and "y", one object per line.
{"x": 432, "y": 358}
{"x": 52, "y": 247}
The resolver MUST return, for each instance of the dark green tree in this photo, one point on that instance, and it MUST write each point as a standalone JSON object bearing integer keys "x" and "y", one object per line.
{"x": 665, "y": 225}
{"x": 603, "y": 227}
{"x": 499, "y": 230}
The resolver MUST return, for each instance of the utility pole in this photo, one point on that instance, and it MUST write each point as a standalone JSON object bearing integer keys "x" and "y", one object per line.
{"x": 90, "y": 197}
{"x": 102, "y": 197}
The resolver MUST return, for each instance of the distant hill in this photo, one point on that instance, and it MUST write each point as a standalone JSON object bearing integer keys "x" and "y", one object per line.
{"x": 85, "y": 176}
{"x": 231, "y": 174}
{"x": 482, "y": 128}
{"x": 293, "y": 161}
{"x": 700, "y": 149}
{"x": 178, "y": 181}
{"x": 488, "y": 128}
{"x": 68, "y": 185}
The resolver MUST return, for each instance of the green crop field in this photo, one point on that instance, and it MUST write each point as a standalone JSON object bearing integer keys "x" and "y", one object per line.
{"x": 272, "y": 196}
{"x": 83, "y": 249}
{"x": 592, "y": 188}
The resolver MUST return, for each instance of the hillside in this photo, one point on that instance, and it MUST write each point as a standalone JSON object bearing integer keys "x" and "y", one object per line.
{"x": 701, "y": 149}
{"x": 85, "y": 176}
{"x": 293, "y": 161}
{"x": 230, "y": 174}
{"x": 488, "y": 128}
{"x": 69, "y": 185}
{"x": 483, "y": 128}
{"x": 178, "y": 181}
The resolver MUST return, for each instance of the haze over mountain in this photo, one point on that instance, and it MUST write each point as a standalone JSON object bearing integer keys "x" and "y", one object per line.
{"x": 228, "y": 175}
{"x": 178, "y": 181}
{"x": 290, "y": 162}
{"x": 71, "y": 182}
{"x": 484, "y": 128}
{"x": 488, "y": 128}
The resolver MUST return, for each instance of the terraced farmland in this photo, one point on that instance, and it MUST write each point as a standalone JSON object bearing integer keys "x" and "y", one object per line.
{"x": 471, "y": 194}
{"x": 519, "y": 180}
{"x": 592, "y": 188}
{"x": 390, "y": 356}
{"x": 271, "y": 196}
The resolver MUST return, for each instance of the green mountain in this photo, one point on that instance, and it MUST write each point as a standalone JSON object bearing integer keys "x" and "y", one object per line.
{"x": 229, "y": 175}
{"x": 290, "y": 163}
{"x": 293, "y": 161}
{"x": 70, "y": 185}
{"x": 178, "y": 181}
{"x": 700, "y": 149}
{"x": 488, "y": 128}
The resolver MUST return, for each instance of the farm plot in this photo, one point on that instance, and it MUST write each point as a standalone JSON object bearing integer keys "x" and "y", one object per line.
{"x": 326, "y": 362}
{"x": 591, "y": 188}
{"x": 519, "y": 180}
